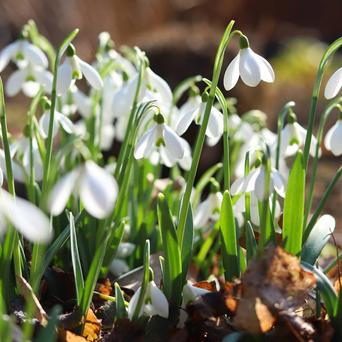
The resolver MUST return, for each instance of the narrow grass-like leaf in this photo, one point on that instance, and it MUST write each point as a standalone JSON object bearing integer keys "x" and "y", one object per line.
{"x": 231, "y": 263}
{"x": 294, "y": 207}
{"x": 183, "y": 86}
{"x": 187, "y": 245}
{"x": 325, "y": 287}
{"x": 48, "y": 333}
{"x": 121, "y": 311}
{"x": 76, "y": 262}
{"x": 251, "y": 244}
{"x": 172, "y": 253}
{"x": 318, "y": 238}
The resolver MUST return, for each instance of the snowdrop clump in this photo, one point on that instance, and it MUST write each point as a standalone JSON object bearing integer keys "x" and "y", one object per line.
{"x": 111, "y": 153}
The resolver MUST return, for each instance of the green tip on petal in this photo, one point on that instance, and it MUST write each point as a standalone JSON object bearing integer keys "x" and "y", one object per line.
{"x": 244, "y": 43}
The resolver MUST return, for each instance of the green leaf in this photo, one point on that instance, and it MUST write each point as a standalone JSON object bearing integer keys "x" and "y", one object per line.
{"x": 187, "y": 245}
{"x": 76, "y": 262}
{"x": 251, "y": 244}
{"x": 121, "y": 311}
{"x": 294, "y": 207}
{"x": 48, "y": 334}
{"x": 231, "y": 263}
{"x": 172, "y": 254}
{"x": 326, "y": 289}
{"x": 318, "y": 238}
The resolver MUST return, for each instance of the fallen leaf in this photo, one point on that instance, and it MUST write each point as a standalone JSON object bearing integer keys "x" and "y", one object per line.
{"x": 92, "y": 327}
{"x": 68, "y": 336}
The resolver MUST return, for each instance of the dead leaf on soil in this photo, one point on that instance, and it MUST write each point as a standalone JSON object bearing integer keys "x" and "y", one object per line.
{"x": 92, "y": 327}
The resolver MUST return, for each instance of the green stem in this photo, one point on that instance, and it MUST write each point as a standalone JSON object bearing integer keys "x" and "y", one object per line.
{"x": 201, "y": 135}
{"x": 322, "y": 122}
{"x": 315, "y": 94}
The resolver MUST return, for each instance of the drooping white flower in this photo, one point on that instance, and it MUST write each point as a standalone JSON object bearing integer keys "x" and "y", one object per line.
{"x": 334, "y": 84}
{"x": 293, "y": 137}
{"x": 196, "y": 113}
{"x": 154, "y": 303}
{"x": 208, "y": 210}
{"x": 59, "y": 120}
{"x": 95, "y": 186}
{"x": 159, "y": 135}
{"x": 18, "y": 173}
{"x": 191, "y": 292}
{"x": 255, "y": 181}
{"x": 333, "y": 139}
{"x": 23, "y": 53}
{"x": 29, "y": 220}
{"x": 118, "y": 265}
{"x": 248, "y": 65}
{"x": 29, "y": 80}
{"x": 72, "y": 69}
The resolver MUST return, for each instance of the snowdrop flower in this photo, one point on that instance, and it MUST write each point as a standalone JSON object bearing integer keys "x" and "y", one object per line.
{"x": 23, "y": 53}
{"x": 209, "y": 209}
{"x": 72, "y": 69}
{"x": 293, "y": 137}
{"x": 191, "y": 292}
{"x": 255, "y": 181}
{"x": 18, "y": 173}
{"x": 29, "y": 80}
{"x": 215, "y": 123}
{"x": 59, "y": 120}
{"x": 119, "y": 266}
{"x": 160, "y": 135}
{"x": 154, "y": 303}
{"x": 248, "y": 65}
{"x": 333, "y": 138}
{"x": 96, "y": 187}
{"x": 334, "y": 84}
{"x": 30, "y": 221}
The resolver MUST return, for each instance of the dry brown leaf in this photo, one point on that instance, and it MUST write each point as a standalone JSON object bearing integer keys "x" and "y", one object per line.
{"x": 92, "y": 327}
{"x": 337, "y": 284}
{"x": 105, "y": 287}
{"x": 68, "y": 336}
{"x": 206, "y": 285}
{"x": 27, "y": 292}
{"x": 272, "y": 283}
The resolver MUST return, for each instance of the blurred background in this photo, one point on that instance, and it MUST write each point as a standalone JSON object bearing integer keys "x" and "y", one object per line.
{"x": 180, "y": 38}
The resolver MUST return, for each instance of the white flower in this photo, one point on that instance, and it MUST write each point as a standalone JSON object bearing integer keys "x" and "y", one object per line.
{"x": 22, "y": 52}
{"x": 251, "y": 67}
{"x": 215, "y": 123}
{"x": 293, "y": 137}
{"x": 74, "y": 68}
{"x": 208, "y": 210}
{"x": 30, "y": 221}
{"x": 334, "y": 84}
{"x": 255, "y": 181}
{"x": 59, "y": 119}
{"x": 96, "y": 187}
{"x": 154, "y": 303}
{"x": 29, "y": 80}
{"x": 191, "y": 292}
{"x": 118, "y": 267}
{"x": 333, "y": 139}
{"x": 160, "y": 135}
{"x": 18, "y": 173}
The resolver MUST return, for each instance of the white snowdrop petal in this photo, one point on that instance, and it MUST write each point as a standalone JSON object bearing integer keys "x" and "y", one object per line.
{"x": 251, "y": 180}
{"x": 165, "y": 157}
{"x": 64, "y": 78}
{"x": 15, "y": 82}
{"x": 266, "y": 70}
{"x": 118, "y": 267}
{"x": 44, "y": 123}
{"x": 334, "y": 84}
{"x": 158, "y": 300}
{"x": 161, "y": 86}
{"x": 61, "y": 192}
{"x": 249, "y": 68}
{"x": 237, "y": 186}
{"x": 202, "y": 214}
{"x": 185, "y": 120}
{"x": 145, "y": 144}
{"x": 336, "y": 139}
{"x": 98, "y": 190}
{"x": 91, "y": 75}
{"x": 7, "y": 53}
{"x": 1, "y": 177}
{"x": 125, "y": 249}
{"x": 215, "y": 124}
{"x": 26, "y": 218}
{"x": 231, "y": 74}
{"x": 133, "y": 304}
{"x": 45, "y": 78}
{"x": 34, "y": 55}
{"x": 30, "y": 88}
{"x": 65, "y": 122}
{"x": 260, "y": 185}
{"x": 278, "y": 182}
{"x": 173, "y": 144}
